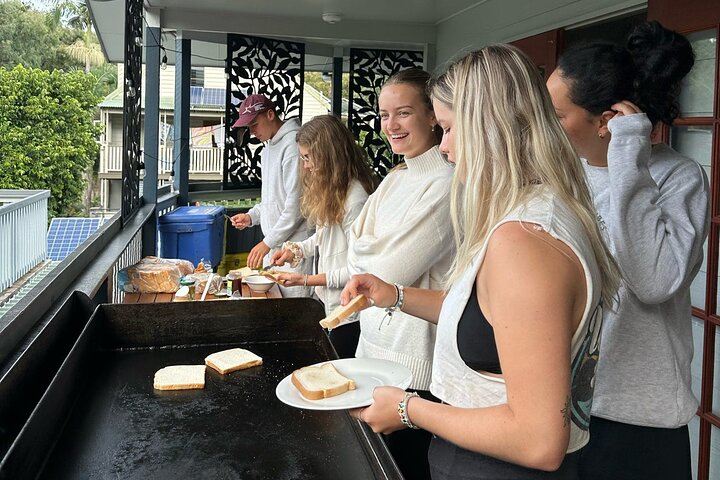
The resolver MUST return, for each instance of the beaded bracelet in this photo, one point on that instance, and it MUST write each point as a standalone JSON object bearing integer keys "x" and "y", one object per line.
{"x": 402, "y": 410}
{"x": 399, "y": 301}
{"x": 400, "y": 291}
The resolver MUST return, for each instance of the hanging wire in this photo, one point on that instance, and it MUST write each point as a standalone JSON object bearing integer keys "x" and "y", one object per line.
{"x": 168, "y": 49}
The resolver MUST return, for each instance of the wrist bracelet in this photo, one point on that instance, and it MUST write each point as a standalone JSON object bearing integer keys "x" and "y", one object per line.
{"x": 402, "y": 410}
{"x": 400, "y": 297}
{"x": 306, "y": 279}
{"x": 399, "y": 301}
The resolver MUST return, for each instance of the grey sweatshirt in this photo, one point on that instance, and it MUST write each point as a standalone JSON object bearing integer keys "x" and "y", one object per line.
{"x": 279, "y": 211}
{"x": 652, "y": 204}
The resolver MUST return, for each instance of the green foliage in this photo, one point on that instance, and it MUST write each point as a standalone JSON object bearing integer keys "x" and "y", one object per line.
{"x": 106, "y": 77}
{"x": 32, "y": 39}
{"x": 315, "y": 80}
{"x": 47, "y": 136}
{"x": 236, "y": 203}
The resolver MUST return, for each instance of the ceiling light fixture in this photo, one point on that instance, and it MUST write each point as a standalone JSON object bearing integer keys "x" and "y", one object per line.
{"x": 332, "y": 18}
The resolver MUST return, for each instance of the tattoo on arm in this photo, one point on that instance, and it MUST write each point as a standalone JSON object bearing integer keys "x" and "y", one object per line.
{"x": 566, "y": 413}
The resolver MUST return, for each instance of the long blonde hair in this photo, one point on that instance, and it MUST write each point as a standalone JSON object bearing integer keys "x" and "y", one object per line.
{"x": 337, "y": 161}
{"x": 507, "y": 138}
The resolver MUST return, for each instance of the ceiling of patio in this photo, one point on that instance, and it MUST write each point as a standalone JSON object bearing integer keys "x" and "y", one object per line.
{"x": 390, "y": 23}
{"x": 396, "y": 24}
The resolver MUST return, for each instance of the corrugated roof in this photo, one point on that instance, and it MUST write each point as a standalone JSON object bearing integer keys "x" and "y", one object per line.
{"x": 115, "y": 100}
{"x": 27, "y": 286}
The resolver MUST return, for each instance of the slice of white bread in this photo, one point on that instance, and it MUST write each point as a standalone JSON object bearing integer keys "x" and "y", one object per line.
{"x": 344, "y": 311}
{"x": 272, "y": 274}
{"x": 244, "y": 272}
{"x": 180, "y": 377}
{"x": 231, "y": 360}
{"x": 316, "y": 383}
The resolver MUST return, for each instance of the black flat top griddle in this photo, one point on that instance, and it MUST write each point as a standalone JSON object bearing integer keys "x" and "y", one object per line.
{"x": 118, "y": 426}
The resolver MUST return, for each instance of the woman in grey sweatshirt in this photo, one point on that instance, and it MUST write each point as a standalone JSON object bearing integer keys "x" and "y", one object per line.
{"x": 652, "y": 204}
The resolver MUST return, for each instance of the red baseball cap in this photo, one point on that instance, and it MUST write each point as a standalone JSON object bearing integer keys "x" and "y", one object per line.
{"x": 251, "y": 107}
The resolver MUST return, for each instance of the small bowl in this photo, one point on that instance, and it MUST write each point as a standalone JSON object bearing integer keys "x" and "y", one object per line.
{"x": 258, "y": 283}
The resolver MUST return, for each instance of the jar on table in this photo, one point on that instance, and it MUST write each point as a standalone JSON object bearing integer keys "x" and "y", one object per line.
{"x": 190, "y": 283}
{"x": 234, "y": 283}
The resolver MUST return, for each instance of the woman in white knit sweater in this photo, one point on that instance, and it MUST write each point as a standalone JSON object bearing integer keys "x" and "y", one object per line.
{"x": 336, "y": 181}
{"x": 404, "y": 235}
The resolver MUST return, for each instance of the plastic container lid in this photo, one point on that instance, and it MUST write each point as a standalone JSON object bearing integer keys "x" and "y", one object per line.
{"x": 192, "y": 214}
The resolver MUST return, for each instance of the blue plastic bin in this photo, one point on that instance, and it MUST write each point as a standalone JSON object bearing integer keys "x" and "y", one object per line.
{"x": 193, "y": 233}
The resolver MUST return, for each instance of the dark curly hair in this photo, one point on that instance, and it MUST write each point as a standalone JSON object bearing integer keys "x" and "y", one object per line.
{"x": 647, "y": 71}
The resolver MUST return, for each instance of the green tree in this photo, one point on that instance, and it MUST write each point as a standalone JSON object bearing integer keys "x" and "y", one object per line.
{"x": 30, "y": 38}
{"x": 316, "y": 80}
{"x": 85, "y": 49}
{"x": 106, "y": 76}
{"x": 47, "y": 137}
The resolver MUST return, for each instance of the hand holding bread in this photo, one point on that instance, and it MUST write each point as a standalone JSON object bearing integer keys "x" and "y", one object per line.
{"x": 380, "y": 293}
{"x": 290, "y": 279}
{"x": 342, "y": 312}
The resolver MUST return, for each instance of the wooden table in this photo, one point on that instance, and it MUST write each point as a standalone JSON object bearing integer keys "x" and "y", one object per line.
{"x": 274, "y": 292}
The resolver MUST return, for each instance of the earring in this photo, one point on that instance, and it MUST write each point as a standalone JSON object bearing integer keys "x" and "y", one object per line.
{"x": 601, "y": 135}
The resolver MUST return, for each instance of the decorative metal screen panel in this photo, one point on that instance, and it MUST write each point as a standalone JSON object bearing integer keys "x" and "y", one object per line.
{"x": 132, "y": 109}
{"x": 130, "y": 256}
{"x": 369, "y": 69}
{"x": 258, "y": 65}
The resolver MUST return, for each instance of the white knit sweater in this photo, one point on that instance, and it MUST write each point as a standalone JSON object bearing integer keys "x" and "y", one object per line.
{"x": 404, "y": 235}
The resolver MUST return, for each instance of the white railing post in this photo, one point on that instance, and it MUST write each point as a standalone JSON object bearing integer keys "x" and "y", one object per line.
{"x": 202, "y": 160}
{"x": 23, "y": 233}
{"x": 110, "y": 158}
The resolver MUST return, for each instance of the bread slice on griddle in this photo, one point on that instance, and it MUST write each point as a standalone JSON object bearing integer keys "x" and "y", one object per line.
{"x": 180, "y": 377}
{"x": 232, "y": 360}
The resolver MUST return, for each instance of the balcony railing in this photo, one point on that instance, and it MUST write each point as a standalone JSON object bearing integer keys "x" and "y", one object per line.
{"x": 202, "y": 160}
{"x": 23, "y": 230}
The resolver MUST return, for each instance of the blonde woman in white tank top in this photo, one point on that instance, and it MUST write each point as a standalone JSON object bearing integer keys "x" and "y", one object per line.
{"x": 528, "y": 243}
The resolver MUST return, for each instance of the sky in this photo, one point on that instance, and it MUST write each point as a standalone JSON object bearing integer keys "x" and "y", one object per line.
{"x": 42, "y": 5}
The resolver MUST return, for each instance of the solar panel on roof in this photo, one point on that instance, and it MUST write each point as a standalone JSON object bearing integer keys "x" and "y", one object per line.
{"x": 214, "y": 96}
{"x": 65, "y": 234}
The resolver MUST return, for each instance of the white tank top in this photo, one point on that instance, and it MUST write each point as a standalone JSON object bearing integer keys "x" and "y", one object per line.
{"x": 457, "y": 384}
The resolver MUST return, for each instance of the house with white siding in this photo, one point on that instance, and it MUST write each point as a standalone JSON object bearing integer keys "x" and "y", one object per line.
{"x": 207, "y": 123}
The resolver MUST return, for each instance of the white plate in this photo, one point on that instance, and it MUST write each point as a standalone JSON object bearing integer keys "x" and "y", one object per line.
{"x": 368, "y": 373}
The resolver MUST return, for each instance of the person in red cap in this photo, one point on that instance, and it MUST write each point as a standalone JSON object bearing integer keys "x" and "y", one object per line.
{"x": 278, "y": 212}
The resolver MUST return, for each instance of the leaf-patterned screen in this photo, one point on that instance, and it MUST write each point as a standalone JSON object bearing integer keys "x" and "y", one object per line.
{"x": 369, "y": 69}
{"x": 258, "y": 65}
{"x": 132, "y": 109}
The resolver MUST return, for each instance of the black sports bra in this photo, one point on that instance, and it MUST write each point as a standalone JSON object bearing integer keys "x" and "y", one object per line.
{"x": 476, "y": 338}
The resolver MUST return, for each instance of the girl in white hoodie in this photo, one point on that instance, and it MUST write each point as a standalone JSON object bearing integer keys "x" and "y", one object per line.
{"x": 336, "y": 181}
